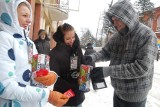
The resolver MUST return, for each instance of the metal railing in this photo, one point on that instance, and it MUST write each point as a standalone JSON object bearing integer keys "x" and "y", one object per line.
{"x": 63, "y": 5}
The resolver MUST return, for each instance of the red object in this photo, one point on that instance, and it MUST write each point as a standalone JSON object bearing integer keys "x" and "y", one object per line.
{"x": 42, "y": 72}
{"x": 85, "y": 67}
{"x": 69, "y": 93}
{"x": 35, "y": 56}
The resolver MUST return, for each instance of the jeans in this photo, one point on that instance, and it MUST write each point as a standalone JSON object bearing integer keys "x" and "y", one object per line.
{"x": 117, "y": 102}
{"x": 80, "y": 105}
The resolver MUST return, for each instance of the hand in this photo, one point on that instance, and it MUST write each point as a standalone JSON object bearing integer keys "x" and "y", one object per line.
{"x": 97, "y": 73}
{"x": 87, "y": 59}
{"x": 57, "y": 99}
{"x": 48, "y": 79}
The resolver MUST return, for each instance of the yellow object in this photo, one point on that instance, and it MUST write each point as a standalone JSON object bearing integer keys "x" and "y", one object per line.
{"x": 158, "y": 41}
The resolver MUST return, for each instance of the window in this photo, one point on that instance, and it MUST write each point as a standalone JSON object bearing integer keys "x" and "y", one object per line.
{"x": 150, "y": 22}
{"x": 158, "y": 23}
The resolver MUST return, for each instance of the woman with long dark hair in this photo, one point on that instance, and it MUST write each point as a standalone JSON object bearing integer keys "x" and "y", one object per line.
{"x": 65, "y": 60}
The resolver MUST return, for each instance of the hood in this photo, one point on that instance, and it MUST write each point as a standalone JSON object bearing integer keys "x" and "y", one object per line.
{"x": 9, "y": 18}
{"x": 40, "y": 32}
{"x": 124, "y": 11}
{"x": 58, "y": 36}
{"x": 89, "y": 46}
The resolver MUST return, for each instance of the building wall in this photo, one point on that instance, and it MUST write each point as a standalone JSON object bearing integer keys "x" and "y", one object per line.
{"x": 41, "y": 19}
{"x": 37, "y": 21}
{"x": 157, "y": 14}
{"x": 32, "y": 2}
{"x": 154, "y": 17}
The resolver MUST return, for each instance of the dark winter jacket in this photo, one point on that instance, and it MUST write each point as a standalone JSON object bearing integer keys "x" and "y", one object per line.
{"x": 131, "y": 56}
{"x": 89, "y": 51}
{"x": 60, "y": 63}
{"x": 43, "y": 46}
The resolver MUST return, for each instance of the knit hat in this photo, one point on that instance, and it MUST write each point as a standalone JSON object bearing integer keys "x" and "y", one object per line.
{"x": 89, "y": 44}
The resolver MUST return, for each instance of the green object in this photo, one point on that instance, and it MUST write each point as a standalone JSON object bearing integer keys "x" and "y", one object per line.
{"x": 7, "y": 1}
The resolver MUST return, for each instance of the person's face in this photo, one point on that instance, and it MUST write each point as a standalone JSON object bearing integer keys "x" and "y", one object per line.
{"x": 118, "y": 24}
{"x": 24, "y": 16}
{"x": 69, "y": 37}
{"x": 43, "y": 36}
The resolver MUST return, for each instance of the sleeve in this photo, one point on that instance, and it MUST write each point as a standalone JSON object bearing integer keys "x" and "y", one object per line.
{"x": 9, "y": 87}
{"x": 143, "y": 64}
{"x": 103, "y": 54}
{"x": 53, "y": 63}
{"x": 64, "y": 86}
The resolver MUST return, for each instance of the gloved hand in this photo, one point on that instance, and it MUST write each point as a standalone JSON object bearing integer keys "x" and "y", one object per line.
{"x": 48, "y": 79}
{"x": 97, "y": 73}
{"x": 57, "y": 99}
{"x": 87, "y": 59}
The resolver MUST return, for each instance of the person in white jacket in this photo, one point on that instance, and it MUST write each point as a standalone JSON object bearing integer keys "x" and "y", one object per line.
{"x": 16, "y": 50}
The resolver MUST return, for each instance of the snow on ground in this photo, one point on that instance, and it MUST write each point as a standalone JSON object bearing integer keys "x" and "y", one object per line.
{"x": 101, "y": 97}
{"x": 104, "y": 97}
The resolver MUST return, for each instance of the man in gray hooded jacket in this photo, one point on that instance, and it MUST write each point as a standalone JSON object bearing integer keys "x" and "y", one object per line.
{"x": 131, "y": 52}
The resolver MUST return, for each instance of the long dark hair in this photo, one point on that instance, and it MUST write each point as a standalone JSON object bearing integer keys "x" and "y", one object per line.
{"x": 58, "y": 36}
